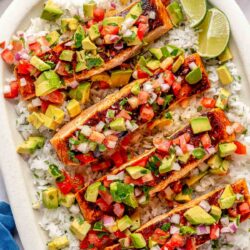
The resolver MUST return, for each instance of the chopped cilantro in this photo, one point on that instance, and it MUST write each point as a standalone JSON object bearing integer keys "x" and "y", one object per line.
{"x": 167, "y": 100}
{"x": 168, "y": 115}
{"x": 92, "y": 62}
{"x": 165, "y": 227}
{"x": 199, "y": 109}
{"x": 187, "y": 190}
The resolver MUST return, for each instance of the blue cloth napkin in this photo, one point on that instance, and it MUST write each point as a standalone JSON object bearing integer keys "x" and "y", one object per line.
{"x": 7, "y": 227}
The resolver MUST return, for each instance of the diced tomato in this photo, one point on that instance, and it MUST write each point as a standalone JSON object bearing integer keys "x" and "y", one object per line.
{"x": 119, "y": 157}
{"x": 169, "y": 77}
{"x": 2, "y": 45}
{"x": 191, "y": 244}
{"x": 183, "y": 144}
{"x": 208, "y": 102}
{"x": 62, "y": 69}
{"x": 103, "y": 85}
{"x": 124, "y": 114}
{"x": 214, "y": 232}
{"x": 206, "y": 141}
{"x": 24, "y": 67}
{"x": 177, "y": 187}
{"x": 99, "y": 14}
{"x": 143, "y": 97}
{"x": 232, "y": 212}
{"x": 55, "y": 97}
{"x": 106, "y": 183}
{"x": 176, "y": 88}
{"x": 102, "y": 205}
{"x": 160, "y": 236}
{"x": 36, "y": 48}
{"x": 101, "y": 166}
{"x": 160, "y": 101}
{"x": 142, "y": 30}
{"x": 187, "y": 137}
{"x": 58, "y": 49}
{"x": 184, "y": 92}
{"x": 126, "y": 140}
{"x": 8, "y": 56}
{"x": 86, "y": 158}
{"x": 110, "y": 139}
{"x": 118, "y": 209}
{"x": 161, "y": 144}
{"x": 176, "y": 241}
{"x": 244, "y": 208}
{"x": 147, "y": 113}
{"x": 142, "y": 162}
{"x": 106, "y": 196}
{"x": 241, "y": 148}
{"x": 120, "y": 234}
{"x": 110, "y": 30}
{"x": 94, "y": 239}
{"x": 84, "y": 244}
{"x": 77, "y": 182}
{"x": 28, "y": 91}
{"x": 141, "y": 74}
{"x": 17, "y": 46}
{"x": 91, "y": 23}
{"x": 65, "y": 185}
{"x": 97, "y": 137}
{"x": 44, "y": 106}
{"x": 129, "y": 180}
{"x": 13, "y": 91}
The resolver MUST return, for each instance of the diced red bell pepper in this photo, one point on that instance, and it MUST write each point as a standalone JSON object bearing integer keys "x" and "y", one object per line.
{"x": 101, "y": 166}
{"x": 147, "y": 113}
{"x": 91, "y": 23}
{"x": 176, "y": 88}
{"x": 119, "y": 157}
{"x": 176, "y": 241}
{"x": 169, "y": 77}
{"x": 102, "y": 205}
{"x": 44, "y": 106}
{"x": 97, "y": 137}
{"x": 206, "y": 141}
{"x": 208, "y": 102}
{"x": 13, "y": 91}
{"x": 99, "y": 14}
{"x": 142, "y": 74}
{"x": 129, "y": 180}
{"x": 86, "y": 158}
{"x": 109, "y": 30}
{"x": 28, "y": 91}
{"x": 142, "y": 162}
{"x": 191, "y": 244}
{"x": 24, "y": 67}
{"x": 8, "y": 56}
{"x": 160, "y": 236}
{"x": 118, "y": 209}
{"x": 184, "y": 92}
{"x": 94, "y": 239}
{"x": 65, "y": 185}
{"x": 103, "y": 85}
{"x": 120, "y": 234}
{"x": 124, "y": 114}
{"x": 106, "y": 196}
{"x": 183, "y": 144}
{"x": 177, "y": 187}
{"x": 55, "y": 97}
{"x": 142, "y": 19}
{"x": 244, "y": 208}
{"x": 241, "y": 148}
{"x": 77, "y": 182}
{"x": 214, "y": 232}
{"x": 232, "y": 212}
{"x": 142, "y": 30}
{"x": 36, "y": 48}
{"x": 162, "y": 144}
{"x": 143, "y": 97}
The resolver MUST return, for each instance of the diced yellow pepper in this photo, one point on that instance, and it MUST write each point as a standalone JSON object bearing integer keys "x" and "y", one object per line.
{"x": 74, "y": 108}
{"x": 50, "y": 123}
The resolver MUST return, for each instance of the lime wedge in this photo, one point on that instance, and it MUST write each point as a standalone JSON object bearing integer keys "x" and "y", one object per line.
{"x": 195, "y": 10}
{"x": 214, "y": 35}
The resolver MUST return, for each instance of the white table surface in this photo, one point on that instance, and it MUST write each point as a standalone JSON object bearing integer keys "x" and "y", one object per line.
{"x": 244, "y": 4}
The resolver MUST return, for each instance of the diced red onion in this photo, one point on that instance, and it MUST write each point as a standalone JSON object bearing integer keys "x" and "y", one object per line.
{"x": 175, "y": 219}
{"x": 194, "y": 172}
{"x": 99, "y": 41}
{"x": 23, "y": 82}
{"x": 118, "y": 46}
{"x": 127, "y": 33}
{"x": 192, "y": 65}
{"x": 152, "y": 14}
{"x": 113, "y": 5}
{"x": 179, "y": 79}
{"x": 142, "y": 199}
{"x": 114, "y": 38}
{"x": 131, "y": 126}
{"x": 69, "y": 44}
{"x": 205, "y": 205}
{"x": 86, "y": 130}
{"x": 45, "y": 48}
{"x": 153, "y": 97}
{"x": 100, "y": 126}
{"x": 9, "y": 47}
{"x": 178, "y": 151}
{"x": 147, "y": 177}
{"x": 6, "y": 89}
{"x": 229, "y": 130}
{"x": 225, "y": 230}
{"x": 233, "y": 227}
{"x": 119, "y": 176}
{"x": 239, "y": 197}
{"x": 83, "y": 147}
{"x": 174, "y": 230}
{"x": 36, "y": 102}
{"x": 108, "y": 132}
{"x": 160, "y": 79}
{"x": 201, "y": 230}
{"x": 73, "y": 84}
{"x": 211, "y": 150}
{"x": 176, "y": 166}
{"x": 138, "y": 192}
{"x": 135, "y": 74}
{"x": 18, "y": 57}
{"x": 57, "y": 66}
{"x": 190, "y": 147}
{"x": 108, "y": 221}
{"x": 155, "y": 248}
{"x": 111, "y": 144}
{"x": 224, "y": 221}
{"x": 164, "y": 87}
{"x": 203, "y": 167}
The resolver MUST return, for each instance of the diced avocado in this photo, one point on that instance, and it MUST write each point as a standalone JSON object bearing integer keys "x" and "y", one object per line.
{"x": 227, "y": 198}
{"x": 39, "y": 64}
{"x": 224, "y": 74}
{"x": 194, "y": 179}
{"x": 113, "y": 20}
{"x": 156, "y": 52}
{"x": 53, "y": 37}
{"x": 58, "y": 243}
{"x": 66, "y": 200}
{"x": 81, "y": 93}
{"x": 88, "y": 45}
{"x": 153, "y": 64}
{"x": 194, "y": 76}
{"x": 135, "y": 11}
{"x": 165, "y": 52}
{"x": 93, "y": 32}
{"x": 79, "y": 36}
{"x": 50, "y": 198}
{"x": 136, "y": 40}
{"x": 136, "y": 221}
{"x": 92, "y": 191}
{"x": 215, "y": 161}
{"x": 124, "y": 223}
{"x": 166, "y": 164}
{"x": 222, "y": 99}
{"x": 151, "y": 243}
{"x": 67, "y": 55}
{"x": 216, "y": 212}
{"x": 226, "y": 55}
{"x": 184, "y": 158}
{"x": 137, "y": 172}
{"x": 165, "y": 64}
{"x": 138, "y": 240}
{"x": 175, "y": 13}
{"x": 80, "y": 228}
{"x": 69, "y": 24}
{"x": 118, "y": 124}
{"x": 31, "y": 145}
{"x": 36, "y": 119}
{"x": 47, "y": 82}
{"x": 178, "y": 63}
{"x": 102, "y": 77}
{"x": 200, "y": 124}
{"x": 88, "y": 9}
{"x": 199, "y": 153}
{"x": 187, "y": 230}
{"x": 50, "y": 123}
{"x": 80, "y": 66}
{"x": 197, "y": 216}
{"x": 136, "y": 88}
{"x": 73, "y": 108}
{"x": 120, "y": 78}
{"x": 55, "y": 113}
{"x": 183, "y": 197}
{"x": 226, "y": 149}
{"x": 222, "y": 169}
{"x": 93, "y": 61}
{"x": 51, "y": 11}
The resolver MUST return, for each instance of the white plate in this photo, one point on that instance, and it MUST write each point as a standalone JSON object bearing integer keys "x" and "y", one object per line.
{"x": 16, "y": 175}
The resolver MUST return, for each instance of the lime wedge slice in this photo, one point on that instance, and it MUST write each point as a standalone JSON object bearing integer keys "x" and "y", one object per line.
{"x": 195, "y": 10}
{"x": 214, "y": 35}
